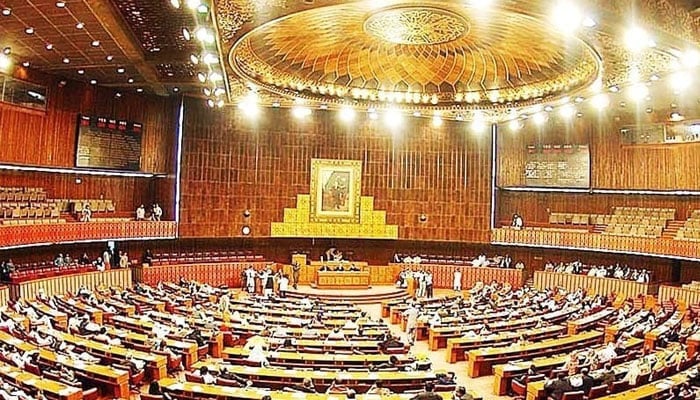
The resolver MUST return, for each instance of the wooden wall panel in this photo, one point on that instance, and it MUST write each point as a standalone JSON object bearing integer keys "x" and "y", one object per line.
{"x": 613, "y": 166}
{"x": 535, "y": 207}
{"x": 230, "y": 165}
{"x": 49, "y": 138}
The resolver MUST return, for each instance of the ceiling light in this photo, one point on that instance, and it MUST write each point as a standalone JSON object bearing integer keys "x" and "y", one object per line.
{"x": 691, "y": 58}
{"x": 539, "y": 118}
{"x": 29, "y": 30}
{"x": 514, "y": 125}
{"x": 5, "y": 62}
{"x": 130, "y": 80}
{"x": 215, "y": 77}
{"x": 95, "y": 43}
{"x": 676, "y": 116}
{"x": 638, "y": 92}
{"x": 300, "y": 111}
{"x": 220, "y": 103}
{"x": 579, "y": 99}
{"x": 49, "y": 46}
{"x": 249, "y": 105}
{"x": 202, "y": 77}
{"x": 588, "y": 22}
{"x": 346, "y": 114}
{"x": 680, "y": 80}
{"x": 66, "y": 60}
{"x": 210, "y": 59}
{"x": 202, "y": 9}
{"x": 372, "y": 114}
{"x": 600, "y": 101}
{"x": 139, "y": 90}
{"x": 7, "y": 51}
{"x": 117, "y": 95}
{"x": 478, "y": 124}
{"x": 121, "y": 70}
{"x": 566, "y": 17}
{"x": 6, "y": 11}
{"x": 437, "y": 121}
{"x": 203, "y": 35}
{"x": 219, "y": 91}
{"x": 175, "y": 3}
{"x": 393, "y": 117}
{"x": 614, "y": 88}
{"x": 548, "y": 108}
{"x": 637, "y": 39}
{"x": 93, "y": 82}
{"x": 654, "y": 78}
{"x": 211, "y": 103}
{"x": 186, "y": 34}
{"x": 567, "y": 111}
{"x": 194, "y": 59}
{"x": 276, "y": 104}
{"x": 207, "y": 91}
{"x": 480, "y": 3}
{"x": 80, "y": 25}
{"x": 81, "y": 72}
{"x": 176, "y": 89}
{"x": 60, "y": 4}
{"x": 193, "y": 4}
{"x": 459, "y": 117}
{"x": 416, "y": 114}
{"x": 25, "y": 64}
{"x": 109, "y": 58}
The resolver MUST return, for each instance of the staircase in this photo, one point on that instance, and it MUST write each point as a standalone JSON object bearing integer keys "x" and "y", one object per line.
{"x": 671, "y": 229}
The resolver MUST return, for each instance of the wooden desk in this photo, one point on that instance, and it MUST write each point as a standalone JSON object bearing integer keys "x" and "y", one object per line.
{"x": 28, "y": 381}
{"x": 59, "y": 318}
{"x": 457, "y": 347}
{"x": 653, "y": 335}
{"x": 116, "y": 381}
{"x": 156, "y": 364}
{"x": 504, "y": 373}
{"x": 278, "y": 378}
{"x": 693, "y": 343}
{"x": 342, "y": 280}
{"x": 366, "y": 346}
{"x": 300, "y": 359}
{"x": 612, "y": 331}
{"x": 190, "y": 390}
{"x": 443, "y": 275}
{"x": 95, "y": 314}
{"x": 214, "y": 273}
{"x": 480, "y": 362}
{"x": 188, "y": 350}
{"x": 594, "y": 285}
{"x": 589, "y": 322}
{"x": 688, "y": 295}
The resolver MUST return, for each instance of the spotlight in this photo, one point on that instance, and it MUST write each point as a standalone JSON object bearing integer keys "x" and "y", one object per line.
{"x": 691, "y": 58}
{"x": 79, "y": 25}
{"x": 373, "y": 115}
{"x": 676, "y": 116}
{"x": 25, "y": 64}
{"x": 567, "y": 111}
{"x": 600, "y": 101}
{"x": 614, "y": 88}
{"x": 393, "y": 117}
{"x": 95, "y": 43}
{"x": 5, "y": 62}
{"x": 539, "y": 118}
{"x": 219, "y": 91}
{"x": 346, "y": 114}
{"x": 202, "y": 77}
{"x": 7, "y": 51}
{"x": 202, "y": 9}
{"x": 245, "y": 230}
{"x": 249, "y": 106}
{"x": 120, "y": 70}
{"x": 220, "y": 103}
{"x": 49, "y": 46}
{"x": 215, "y": 77}
{"x": 636, "y": 39}
{"x": 680, "y": 80}
{"x": 193, "y": 4}
{"x": 60, "y": 4}
{"x": 210, "y": 59}
{"x": 480, "y": 3}
{"x": 29, "y": 30}
{"x": 566, "y": 17}
{"x": 437, "y": 121}
{"x": 109, "y": 58}
{"x": 6, "y": 12}
{"x": 186, "y": 34}
{"x": 130, "y": 80}
{"x": 93, "y": 82}
{"x": 66, "y": 61}
{"x": 638, "y": 92}
{"x": 301, "y": 112}
{"x": 211, "y": 103}
{"x": 175, "y": 3}
{"x": 194, "y": 59}
{"x": 203, "y": 35}
{"x": 514, "y": 125}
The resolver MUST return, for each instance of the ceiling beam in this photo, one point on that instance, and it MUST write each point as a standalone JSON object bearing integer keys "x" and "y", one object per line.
{"x": 110, "y": 19}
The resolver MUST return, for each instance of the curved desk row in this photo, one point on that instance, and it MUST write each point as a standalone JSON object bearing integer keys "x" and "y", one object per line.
{"x": 71, "y": 283}
{"x": 594, "y": 285}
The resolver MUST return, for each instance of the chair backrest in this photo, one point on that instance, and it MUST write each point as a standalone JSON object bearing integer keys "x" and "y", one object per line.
{"x": 91, "y": 394}
{"x": 146, "y": 396}
{"x": 577, "y": 395}
{"x": 518, "y": 388}
{"x": 598, "y": 391}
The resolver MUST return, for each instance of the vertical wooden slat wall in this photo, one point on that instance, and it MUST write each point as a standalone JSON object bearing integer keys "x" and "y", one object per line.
{"x": 231, "y": 164}
{"x": 71, "y": 283}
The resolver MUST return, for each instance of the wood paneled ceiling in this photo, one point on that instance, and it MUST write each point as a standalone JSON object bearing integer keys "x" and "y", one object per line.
{"x": 126, "y": 44}
{"x": 449, "y": 55}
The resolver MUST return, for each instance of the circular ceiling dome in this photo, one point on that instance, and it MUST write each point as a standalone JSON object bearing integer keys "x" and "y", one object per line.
{"x": 434, "y": 54}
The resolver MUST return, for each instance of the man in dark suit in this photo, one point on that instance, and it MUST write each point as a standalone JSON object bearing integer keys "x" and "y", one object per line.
{"x": 557, "y": 387}
{"x": 428, "y": 393}
{"x": 588, "y": 381}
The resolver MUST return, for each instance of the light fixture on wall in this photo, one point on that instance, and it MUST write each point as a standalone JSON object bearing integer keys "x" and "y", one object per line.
{"x": 245, "y": 230}
{"x": 246, "y": 213}
{"x": 423, "y": 218}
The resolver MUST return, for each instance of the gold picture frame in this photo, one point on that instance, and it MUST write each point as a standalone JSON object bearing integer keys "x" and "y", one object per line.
{"x": 335, "y": 191}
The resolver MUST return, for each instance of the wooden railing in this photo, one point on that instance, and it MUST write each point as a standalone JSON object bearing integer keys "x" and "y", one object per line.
{"x": 576, "y": 239}
{"x": 25, "y": 235}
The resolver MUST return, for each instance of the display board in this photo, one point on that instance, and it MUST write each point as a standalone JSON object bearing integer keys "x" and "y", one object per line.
{"x": 108, "y": 143}
{"x": 558, "y": 165}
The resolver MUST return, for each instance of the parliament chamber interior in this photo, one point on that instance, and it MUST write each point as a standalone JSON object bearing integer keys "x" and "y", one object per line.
{"x": 362, "y": 199}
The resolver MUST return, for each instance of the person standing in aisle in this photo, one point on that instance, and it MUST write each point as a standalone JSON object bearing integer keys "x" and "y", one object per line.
{"x": 457, "y": 280}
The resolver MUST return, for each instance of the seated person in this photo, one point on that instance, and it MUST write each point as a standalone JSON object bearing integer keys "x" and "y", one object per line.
{"x": 378, "y": 388}
{"x": 206, "y": 376}
{"x": 446, "y": 379}
{"x": 340, "y": 268}
{"x": 337, "y": 387}
{"x": 230, "y": 376}
{"x": 335, "y": 334}
{"x": 324, "y": 268}
{"x": 307, "y": 386}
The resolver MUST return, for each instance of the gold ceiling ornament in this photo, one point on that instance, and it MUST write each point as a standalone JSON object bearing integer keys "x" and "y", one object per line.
{"x": 416, "y": 25}
{"x": 233, "y": 14}
{"x": 453, "y": 57}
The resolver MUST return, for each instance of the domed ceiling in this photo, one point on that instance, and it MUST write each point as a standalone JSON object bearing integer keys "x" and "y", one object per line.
{"x": 446, "y": 55}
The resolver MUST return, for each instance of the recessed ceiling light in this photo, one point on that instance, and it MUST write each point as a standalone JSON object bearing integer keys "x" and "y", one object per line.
{"x": 202, "y": 9}
{"x": 109, "y": 58}
{"x": 170, "y": 74}
{"x": 6, "y": 11}
{"x": 29, "y": 30}
{"x": 81, "y": 72}
{"x": 202, "y": 77}
{"x": 130, "y": 80}
{"x": 25, "y": 64}
{"x": 60, "y": 4}
{"x": 176, "y": 89}
{"x": 120, "y": 70}
{"x": 7, "y": 51}
{"x": 139, "y": 90}
{"x": 80, "y": 25}
{"x": 66, "y": 60}
{"x": 210, "y": 59}
{"x": 175, "y": 3}
{"x": 194, "y": 59}
{"x": 579, "y": 99}
{"x": 117, "y": 95}
{"x": 49, "y": 46}
{"x": 207, "y": 91}
{"x": 193, "y": 4}
{"x": 95, "y": 43}
{"x": 186, "y": 34}
{"x": 219, "y": 91}
{"x": 276, "y": 104}
{"x": 93, "y": 82}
